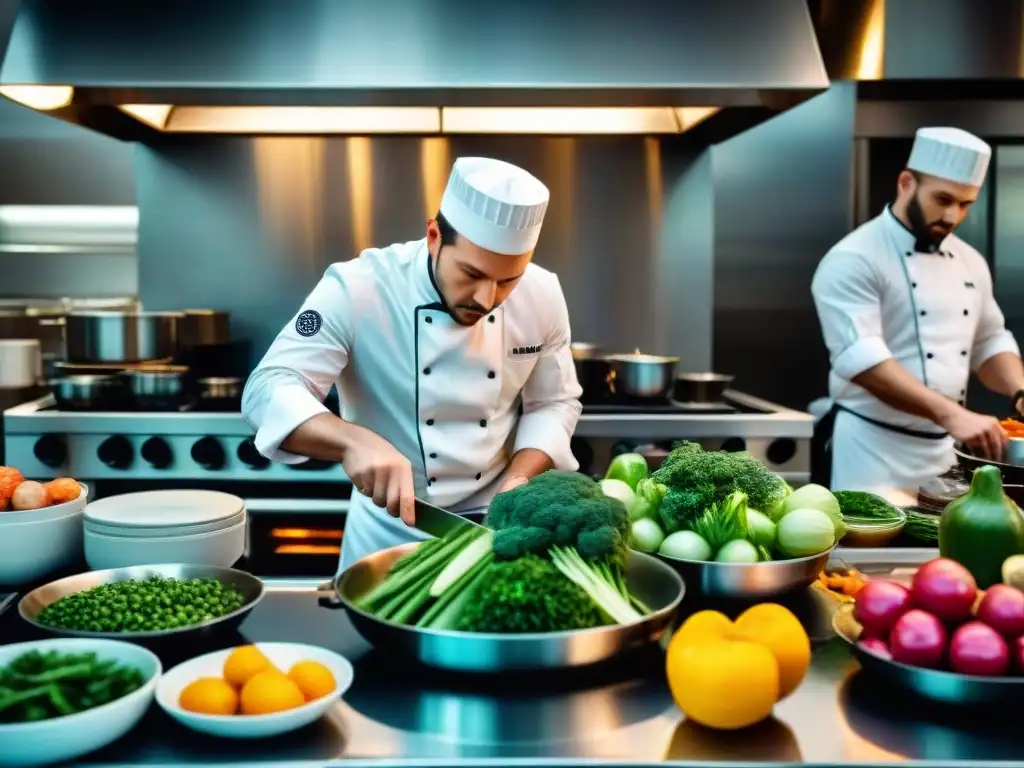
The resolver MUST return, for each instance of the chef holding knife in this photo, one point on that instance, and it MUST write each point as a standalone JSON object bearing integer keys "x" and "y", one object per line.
{"x": 434, "y": 345}
{"x": 907, "y": 312}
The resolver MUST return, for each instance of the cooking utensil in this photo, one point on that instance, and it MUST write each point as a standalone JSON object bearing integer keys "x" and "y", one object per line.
{"x": 934, "y": 684}
{"x": 701, "y": 387}
{"x": 219, "y": 393}
{"x": 204, "y": 327}
{"x": 641, "y": 376}
{"x": 653, "y": 582}
{"x": 749, "y": 581}
{"x": 583, "y": 350}
{"x": 21, "y": 363}
{"x": 158, "y": 388}
{"x": 1012, "y": 473}
{"x": 122, "y": 337}
{"x": 34, "y": 602}
{"x": 91, "y": 392}
{"x": 439, "y": 522}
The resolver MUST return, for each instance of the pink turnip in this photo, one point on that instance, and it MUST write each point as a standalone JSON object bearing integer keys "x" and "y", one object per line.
{"x": 879, "y": 604}
{"x": 918, "y": 638}
{"x": 945, "y": 589}
{"x": 978, "y": 649}
{"x": 1002, "y": 608}
{"x": 877, "y": 646}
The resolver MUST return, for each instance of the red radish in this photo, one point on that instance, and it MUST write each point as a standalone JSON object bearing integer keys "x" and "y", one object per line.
{"x": 879, "y": 604}
{"x": 918, "y": 639}
{"x": 877, "y": 646}
{"x": 977, "y": 649}
{"x": 1002, "y": 608}
{"x": 1018, "y": 653}
{"x": 945, "y": 589}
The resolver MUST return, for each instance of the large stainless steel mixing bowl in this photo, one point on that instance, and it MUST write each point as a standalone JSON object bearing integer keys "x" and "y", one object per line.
{"x": 653, "y": 582}
{"x": 749, "y": 581}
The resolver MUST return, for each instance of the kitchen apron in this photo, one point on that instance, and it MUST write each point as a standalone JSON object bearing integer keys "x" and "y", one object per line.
{"x": 369, "y": 529}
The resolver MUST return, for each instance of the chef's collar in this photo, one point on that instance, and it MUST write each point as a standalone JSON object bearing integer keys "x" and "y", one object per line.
{"x": 426, "y": 282}
{"x": 906, "y": 240}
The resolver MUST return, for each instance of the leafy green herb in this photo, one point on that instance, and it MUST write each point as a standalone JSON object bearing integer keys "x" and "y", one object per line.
{"x": 863, "y": 508}
{"x": 723, "y": 521}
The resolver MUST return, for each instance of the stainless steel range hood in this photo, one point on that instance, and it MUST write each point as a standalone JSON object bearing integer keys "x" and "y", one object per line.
{"x": 136, "y": 70}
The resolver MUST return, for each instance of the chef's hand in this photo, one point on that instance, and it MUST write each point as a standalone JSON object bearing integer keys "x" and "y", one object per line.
{"x": 981, "y": 433}
{"x": 513, "y": 481}
{"x": 379, "y": 471}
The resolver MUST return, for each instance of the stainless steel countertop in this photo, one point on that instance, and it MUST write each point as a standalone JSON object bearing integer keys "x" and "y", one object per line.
{"x": 394, "y": 715}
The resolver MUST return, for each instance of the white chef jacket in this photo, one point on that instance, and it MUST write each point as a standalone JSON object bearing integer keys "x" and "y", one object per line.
{"x": 445, "y": 396}
{"x": 878, "y": 298}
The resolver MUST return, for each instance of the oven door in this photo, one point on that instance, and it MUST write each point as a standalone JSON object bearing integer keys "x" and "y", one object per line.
{"x": 298, "y": 538}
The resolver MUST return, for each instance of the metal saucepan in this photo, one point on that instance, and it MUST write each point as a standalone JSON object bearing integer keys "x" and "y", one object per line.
{"x": 219, "y": 393}
{"x": 204, "y": 328}
{"x": 701, "y": 387}
{"x": 87, "y": 392}
{"x": 1012, "y": 472}
{"x": 642, "y": 376}
{"x": 21, "y": 363}
{"x": 122, "y": 337}
{"x": 592, "y": 370}
{"x": 159, "y": 388}
{"x": 653, "y": 582}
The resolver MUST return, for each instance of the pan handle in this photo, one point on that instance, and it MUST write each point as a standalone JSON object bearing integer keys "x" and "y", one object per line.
{"x": 327, "y": 596}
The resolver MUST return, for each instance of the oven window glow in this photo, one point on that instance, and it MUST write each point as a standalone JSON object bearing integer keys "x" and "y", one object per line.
{"x": 307, "y": 549}
{"x": 305, "y": 533}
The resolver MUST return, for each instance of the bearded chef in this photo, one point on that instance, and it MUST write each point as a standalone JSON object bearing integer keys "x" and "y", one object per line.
{"x": 433, "y": 345}
{"x": 907, "y": 312}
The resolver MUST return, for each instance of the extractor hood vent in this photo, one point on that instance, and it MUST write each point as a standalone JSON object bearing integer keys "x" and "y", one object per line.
{"x": 137, "y": 70}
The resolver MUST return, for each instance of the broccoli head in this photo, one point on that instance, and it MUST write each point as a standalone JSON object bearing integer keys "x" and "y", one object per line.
{"x": 693, "y": 479}
{"x": 558, "y": 508}
{"x": 527, "y": 595}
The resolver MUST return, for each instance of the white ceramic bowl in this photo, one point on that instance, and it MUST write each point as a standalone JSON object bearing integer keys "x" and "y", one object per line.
{"x": 46, "y": 513}
{"x": 222, "y": 548}
{"x": 32, "y": 550}
{"x": 66, "y": 738}
{"x": 283, "y": 656}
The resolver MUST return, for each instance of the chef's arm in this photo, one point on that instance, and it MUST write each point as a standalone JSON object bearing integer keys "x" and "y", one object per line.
{"x": 283, "y": 398}
{"x": 551, "y": 402}
{"x": 995, "y": 356}
{"x": 895, "y": 386}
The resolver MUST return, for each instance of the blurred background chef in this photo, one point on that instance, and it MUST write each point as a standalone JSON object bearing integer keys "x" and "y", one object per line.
{"x": 907, "y": 311}
{"x": 433, "y": 344}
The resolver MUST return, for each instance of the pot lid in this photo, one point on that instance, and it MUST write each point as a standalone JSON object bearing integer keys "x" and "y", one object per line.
{"x": 165, "y": 533}
{"x": 163, "y": 509}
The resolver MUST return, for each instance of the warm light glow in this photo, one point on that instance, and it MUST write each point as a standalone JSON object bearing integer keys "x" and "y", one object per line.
{"x": 42, "y": 97}
{"x": 307, "y": 549}
{"x": 870, "y": 63}
{"x": 435, "y": 165}
{"x": 359, "y": 152}
{"x": 293, "y": 120}
{"x": 304, "y": 533}
{"x": 558, "y": 120}
{"x": 318, "y": 121}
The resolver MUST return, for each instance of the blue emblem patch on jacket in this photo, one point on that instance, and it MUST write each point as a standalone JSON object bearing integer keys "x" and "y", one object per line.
{"x": 309, "y": 323}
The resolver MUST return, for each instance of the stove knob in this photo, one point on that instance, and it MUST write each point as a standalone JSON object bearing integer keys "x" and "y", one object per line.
{"x": 116, "y": 452}
{"x": 157, "y": 452}
{"x": 208, "y": 453}
{"x": 248, "y": 454}
{"x": 51, "y": 450}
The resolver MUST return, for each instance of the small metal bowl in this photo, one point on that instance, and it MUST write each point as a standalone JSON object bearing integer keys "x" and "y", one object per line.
{"x": 34, "y": 602}
{"x": 934, "y": 684}
{"x": 749, "y": 581}
{"x": 872, "y": 536}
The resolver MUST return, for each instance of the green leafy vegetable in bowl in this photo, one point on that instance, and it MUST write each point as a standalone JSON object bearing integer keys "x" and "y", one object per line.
{"x": 863, "y": 509}
{"x": 41, "y": 686}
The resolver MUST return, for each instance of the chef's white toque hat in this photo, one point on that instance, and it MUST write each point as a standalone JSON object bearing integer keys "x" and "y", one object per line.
{"x": 950, "y": 154}
{"x": 495, "y": 205}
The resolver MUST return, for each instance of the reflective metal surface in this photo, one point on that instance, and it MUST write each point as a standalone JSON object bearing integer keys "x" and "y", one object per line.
{"x": 121, "y": 337}
{"x": 700, "y": 387}
{"x": 649, "y": 52}
{"x": 439, "y": 522}
{"x": 749, "y": 581}
{"x": 937, "y": 685}
{"x": 86, "y": 392}
{"x": 641, "y": 376}
{"x": 652, "y": 582}
{"x": 34, "y": 602}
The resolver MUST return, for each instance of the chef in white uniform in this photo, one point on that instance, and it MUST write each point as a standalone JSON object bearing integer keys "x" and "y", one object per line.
{"x": 434, "y": 345}
{"x": 907, "y": 312}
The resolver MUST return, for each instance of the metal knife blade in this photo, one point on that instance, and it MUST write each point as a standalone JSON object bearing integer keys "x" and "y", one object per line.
{"x": 438, "y": 522}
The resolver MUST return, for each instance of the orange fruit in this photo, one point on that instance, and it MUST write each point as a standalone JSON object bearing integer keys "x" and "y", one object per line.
{"x": 245, "y": 662}
{"x": 313, "y": 678}
{"x": 270, "y": 691}
{"x": 777, "y": 629}
{"x": 699, "y": 626}
{"x": 209, "y": 696}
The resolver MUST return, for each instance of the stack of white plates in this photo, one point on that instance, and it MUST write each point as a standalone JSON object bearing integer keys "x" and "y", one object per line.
{"x": 153, "y": 527}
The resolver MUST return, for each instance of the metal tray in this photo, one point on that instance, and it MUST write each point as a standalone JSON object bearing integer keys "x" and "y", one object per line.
{"x": 651, "y": 581}
{"x": 34, "y": 602}
{"x": 1013, "y": 474}
{"x": 749, "y": 581}
{"x": 933, "y": 684}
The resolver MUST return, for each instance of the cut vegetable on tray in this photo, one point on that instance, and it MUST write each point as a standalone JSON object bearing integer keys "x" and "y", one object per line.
{"x": 714, "y": 506}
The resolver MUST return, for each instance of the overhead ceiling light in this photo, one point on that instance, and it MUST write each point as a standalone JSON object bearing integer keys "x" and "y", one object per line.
{"x": 42, "y": 97}
{"x": 290, "y": 120}
{"x": 559, "y": 120}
